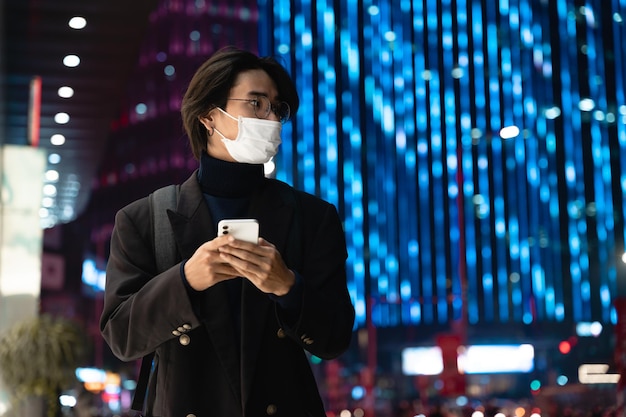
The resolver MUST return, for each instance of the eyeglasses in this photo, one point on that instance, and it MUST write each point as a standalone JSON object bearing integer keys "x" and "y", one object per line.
{"x": 263, "y": 106}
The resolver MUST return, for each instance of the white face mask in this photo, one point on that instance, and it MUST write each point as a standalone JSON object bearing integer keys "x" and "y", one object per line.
{"x": 257, "y": 140}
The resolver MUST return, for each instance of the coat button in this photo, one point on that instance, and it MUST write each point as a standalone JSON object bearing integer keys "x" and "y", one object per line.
{"x": 271, "y": 410}
{"x": 187, "y": 326}
{"x": 184, "y": 339}
{"x": 190, "y": 415}
{"x": 181, "y": 329}
{"x": 176, "y": 333}
{"x": 280, "y": 333}
{"x": 306, "y": 339}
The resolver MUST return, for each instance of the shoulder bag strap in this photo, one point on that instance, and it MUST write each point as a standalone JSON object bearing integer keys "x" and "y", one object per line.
{"x": 160, "y": 201}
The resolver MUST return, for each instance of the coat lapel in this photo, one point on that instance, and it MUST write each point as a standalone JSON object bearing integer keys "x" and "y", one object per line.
{"x": 192, "y": 226}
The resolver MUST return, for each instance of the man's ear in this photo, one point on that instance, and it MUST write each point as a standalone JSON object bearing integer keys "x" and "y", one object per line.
{"x": 207, "y": 120}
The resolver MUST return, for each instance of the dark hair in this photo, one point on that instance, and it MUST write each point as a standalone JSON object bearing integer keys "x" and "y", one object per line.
{"x": 211, "y": 85}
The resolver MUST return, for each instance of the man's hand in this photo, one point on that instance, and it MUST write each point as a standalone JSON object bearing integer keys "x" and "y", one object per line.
{"x": 207, "y": 267}
{"x": 261, "y": 264}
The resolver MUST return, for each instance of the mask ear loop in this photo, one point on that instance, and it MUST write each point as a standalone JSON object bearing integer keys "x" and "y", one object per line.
{"x": 228, "y": 114}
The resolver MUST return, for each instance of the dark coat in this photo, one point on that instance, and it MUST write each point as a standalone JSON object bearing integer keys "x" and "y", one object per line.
{"x": 270, "y": 375}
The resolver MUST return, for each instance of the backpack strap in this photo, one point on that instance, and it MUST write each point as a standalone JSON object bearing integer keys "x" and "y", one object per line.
{"x": 141, "y": 390}
{"x": 160, "y": 201}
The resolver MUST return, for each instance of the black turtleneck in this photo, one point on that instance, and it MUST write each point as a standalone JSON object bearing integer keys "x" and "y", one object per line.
{"x": 228, "y": 179}
{"x": 228, "y": 186}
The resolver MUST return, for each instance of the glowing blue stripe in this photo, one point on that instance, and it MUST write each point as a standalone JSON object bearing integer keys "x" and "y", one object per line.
{"x": 389, "y": 190}
{"x": 601, "y": 154}
{"x": 434, "y": 173}
{"x": 324, "y": 73}
{"x": 619, "y": 34}
{"x": 471, "y": 186}
{"x": 509, "y": 107}
{"x": 377, "y": 203}
{"x": 266, "y": 41}
{"x": 376, "y": 165}
{"x": 305, "y": 55}
{"x": 420, "y": 167}
{"x": 447, "y": 162}
{"x": 394, "y": 155}
{"x": 569, "y": 112}
{"x": 352, "y": 143}
{"x": 595, "y": 70}
{"x": 549, "y": 187}
{"x": 458, "y": 218}
{"x": 486, "y": 188}
{"x": 406, "y": 161}
{"x": 281, "y": 33}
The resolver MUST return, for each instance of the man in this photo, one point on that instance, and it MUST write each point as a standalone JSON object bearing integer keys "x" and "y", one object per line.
{"x": 231, "y": 321}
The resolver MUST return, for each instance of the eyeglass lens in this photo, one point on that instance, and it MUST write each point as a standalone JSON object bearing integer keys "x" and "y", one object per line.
{"x": 264, "y": 107}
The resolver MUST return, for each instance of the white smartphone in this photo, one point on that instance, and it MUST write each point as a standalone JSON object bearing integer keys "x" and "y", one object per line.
{"x": 241, "y": 229}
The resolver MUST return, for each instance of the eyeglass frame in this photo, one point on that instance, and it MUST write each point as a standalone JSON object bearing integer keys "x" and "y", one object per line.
{"x": 271, "y": 108}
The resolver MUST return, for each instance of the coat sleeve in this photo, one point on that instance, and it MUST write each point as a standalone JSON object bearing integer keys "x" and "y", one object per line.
{"x": 142, "y": 309}
{"x": 324, "y": 326}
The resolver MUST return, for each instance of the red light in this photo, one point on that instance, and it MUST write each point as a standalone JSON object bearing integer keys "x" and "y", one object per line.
{"x": 565, "y": 347}
{"x": 34, "y": 111}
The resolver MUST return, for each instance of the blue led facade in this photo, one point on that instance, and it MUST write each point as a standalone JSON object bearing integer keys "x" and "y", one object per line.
{"x": 475, "y": 150}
